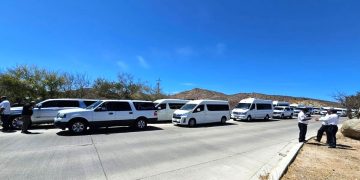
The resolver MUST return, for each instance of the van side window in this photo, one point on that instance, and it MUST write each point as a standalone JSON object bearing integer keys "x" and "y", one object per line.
{"x": 69, "y": 103}
{"x": 176, "y": 105}
{"x": 217, "y": 107}
{"x": 252, "y": 107}
{"x": 264, "y": 106}
{"x": 201, "y": 107}
{"x": 49, "y": 104}
{"x": 144, "y": 106}
{"x": 162, "y": 106}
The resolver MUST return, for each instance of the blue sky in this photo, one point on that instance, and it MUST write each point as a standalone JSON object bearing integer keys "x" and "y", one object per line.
{"x": 305, "y": 48}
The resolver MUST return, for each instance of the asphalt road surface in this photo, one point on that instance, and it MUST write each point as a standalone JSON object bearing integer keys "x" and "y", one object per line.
{"x": 164, "y": 151}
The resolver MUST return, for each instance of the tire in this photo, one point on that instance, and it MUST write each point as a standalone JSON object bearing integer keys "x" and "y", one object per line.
{"x": 14, "y": 123}
{"x": 192, "y": 122}
{"x": 78, "y": 126}
{"x": 267, "y": 117}
{"x": 249, "y": 118}
{"x": 141, "y": 124}
{"x": 282, "y": 116}
{"x": 223, "y": 120}
{"x": 291, "y": 116}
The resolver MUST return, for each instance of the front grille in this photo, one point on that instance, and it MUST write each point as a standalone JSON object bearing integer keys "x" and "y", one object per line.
{"x": 175, "y": 116}
{"x": 237, "y": 113}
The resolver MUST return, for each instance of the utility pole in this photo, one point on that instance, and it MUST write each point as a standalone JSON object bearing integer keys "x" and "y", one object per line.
{"x": 158, "y": 86}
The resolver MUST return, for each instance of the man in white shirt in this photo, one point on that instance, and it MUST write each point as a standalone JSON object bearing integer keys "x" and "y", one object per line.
{"x": 5, "y": 113}
{"x": 303, "y": 121}
{"x": 332, "y": 120}
{"x": 323, "y": 128}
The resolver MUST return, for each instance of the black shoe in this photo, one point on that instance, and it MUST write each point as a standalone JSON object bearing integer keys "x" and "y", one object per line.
{"x": 25, "y": 132}
{"x": 332, "y": 146}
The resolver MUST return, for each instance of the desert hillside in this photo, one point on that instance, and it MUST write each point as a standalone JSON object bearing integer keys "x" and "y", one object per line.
{"x": 235, "y": 98}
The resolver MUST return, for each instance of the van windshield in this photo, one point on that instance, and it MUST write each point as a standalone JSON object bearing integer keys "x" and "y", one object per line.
{"x": 279, "y": 108}
{"x": 94, "y": 105}
{"x": 243, "y": 106}
{"x": 188, "y": 107}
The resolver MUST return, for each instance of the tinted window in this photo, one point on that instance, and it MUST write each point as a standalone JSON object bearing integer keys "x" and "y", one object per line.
{"x": 176, "y": 105}
{"x": 144, "y": 106}
{"x": 68, "y": 104}
{"x": 217, "y": 107}
{"x": 88, "y": 103}
{"x": 263, "y": 106}
{"x": 252, "y": 107}
{"x": 162, "y": 106}
{"x": 49, "y": 104}
{"x": 117, "y": 106}
{"x": 201, "y": 107}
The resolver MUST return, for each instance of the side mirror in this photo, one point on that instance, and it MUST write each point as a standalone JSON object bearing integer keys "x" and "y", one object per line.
{"x": 38, "y": 106}
{"x": 100, "y": 109}
{"x": 198, "y": 110}
{"x": 159, "y": 108}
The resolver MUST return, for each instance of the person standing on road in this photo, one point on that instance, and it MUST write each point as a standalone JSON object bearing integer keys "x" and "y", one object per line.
{"x": 323, "y": 129}
{"x": 26, "y": 114}
{"x": 303, "y": 122}
{"x": 5, "y": 113}
{"x": 332, "y": 120}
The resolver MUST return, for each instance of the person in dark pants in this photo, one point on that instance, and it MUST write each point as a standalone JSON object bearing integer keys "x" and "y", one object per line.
{"x": 323, "y": 128}
{"x": 5, "y": 114}
{"x": 303, "y": 121}
{"x": 27, "y": 112}
{"x": 332, "y": 120}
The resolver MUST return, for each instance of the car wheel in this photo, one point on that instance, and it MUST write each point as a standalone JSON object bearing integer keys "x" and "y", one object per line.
{"x": 282, "y": 116}
{"x": 16, "y": 123}
{"x": 141, "y": 124}
{"x": 248, "y": 118}
{"x": 267, "y": 117}
{"x": 223, "y": 120}
{"x": 291, "y": 116}
{"x": 78, "y": 126}
{"x": 192, "y": 123}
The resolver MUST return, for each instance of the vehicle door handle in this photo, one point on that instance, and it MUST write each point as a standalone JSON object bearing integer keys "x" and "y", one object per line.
{"x": 111, "y": 113}
{"x": 130, "y": 112}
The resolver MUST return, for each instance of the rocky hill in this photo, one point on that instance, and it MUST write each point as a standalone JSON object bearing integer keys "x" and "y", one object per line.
{"x": 235, "y": 98}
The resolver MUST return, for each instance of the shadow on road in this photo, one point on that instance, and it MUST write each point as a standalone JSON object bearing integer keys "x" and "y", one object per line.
{"x": 338, "y": 146}
{"x": 45, "y": 127}
{"x": 108, "y": 131}
{"x": 212, "y": 125}
{"x": 258, "y": 120}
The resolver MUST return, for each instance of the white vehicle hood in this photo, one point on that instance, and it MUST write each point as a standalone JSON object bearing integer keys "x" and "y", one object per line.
{"x": 240, "y": 110}
{"x": 77, "y": 110}
{"x": 181, "y": 111}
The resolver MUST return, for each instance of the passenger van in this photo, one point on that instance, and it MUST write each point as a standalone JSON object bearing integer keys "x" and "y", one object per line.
{"x": 201, "y": 112}
{"x": 251, "y": 108}
{"x": 166, "y": 108}
{"x": 280, "y": 103}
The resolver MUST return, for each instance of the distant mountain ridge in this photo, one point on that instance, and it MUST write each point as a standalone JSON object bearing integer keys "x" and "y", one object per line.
{"x": 198, "y": 93}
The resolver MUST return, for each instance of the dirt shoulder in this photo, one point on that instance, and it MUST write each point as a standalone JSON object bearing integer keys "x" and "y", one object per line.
{"x": 317, "y": 161}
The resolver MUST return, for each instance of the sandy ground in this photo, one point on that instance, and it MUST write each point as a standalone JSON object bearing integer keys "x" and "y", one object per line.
{"x": 317, "y": 161}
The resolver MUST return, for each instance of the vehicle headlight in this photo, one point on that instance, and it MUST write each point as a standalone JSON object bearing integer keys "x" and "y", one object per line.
{"x": 61, "y": 115}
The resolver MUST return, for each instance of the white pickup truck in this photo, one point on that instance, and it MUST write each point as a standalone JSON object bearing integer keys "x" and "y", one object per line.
{"x": 106, "y": 113}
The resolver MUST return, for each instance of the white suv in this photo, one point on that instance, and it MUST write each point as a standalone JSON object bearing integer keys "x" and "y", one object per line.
{"x": 283, "y": 112}
{"x": 46, "y": 111}
{"x": 106, "y": 113}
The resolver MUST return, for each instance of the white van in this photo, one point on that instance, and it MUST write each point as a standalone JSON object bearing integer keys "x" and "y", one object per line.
{"x": 166, "y": 108}
{"x": 281, "y": 103}
{"x": 202, "y": 111}
{"x": 252, "y": 108}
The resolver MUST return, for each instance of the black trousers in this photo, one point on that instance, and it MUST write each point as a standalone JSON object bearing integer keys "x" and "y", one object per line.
{"x": 303, "y": 130}
{"x": 321, "y": 131}
{"x": 332, "y": 130}
{"x": 6, "y": 122}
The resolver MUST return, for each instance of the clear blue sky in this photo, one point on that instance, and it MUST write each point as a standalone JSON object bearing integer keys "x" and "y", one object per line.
{"x": 305, "y": 48}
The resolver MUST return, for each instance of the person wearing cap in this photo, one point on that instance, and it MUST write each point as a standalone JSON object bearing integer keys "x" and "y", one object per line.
{"x": 332, "y": 120}
{"x": 303, "y": 122}
{"x": 323, "y": 128}
{"x": 5, "y": 113}
{"x": 26, "y": 114}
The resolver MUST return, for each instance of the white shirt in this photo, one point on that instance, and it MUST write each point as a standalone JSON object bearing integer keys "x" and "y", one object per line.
{"x": 302, "y": 118}
{"x": 6, "y": 106}
{"x": 332, "y": 119}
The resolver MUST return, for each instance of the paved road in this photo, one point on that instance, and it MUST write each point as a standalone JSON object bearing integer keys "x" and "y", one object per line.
{"x": 236, "y": 150}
